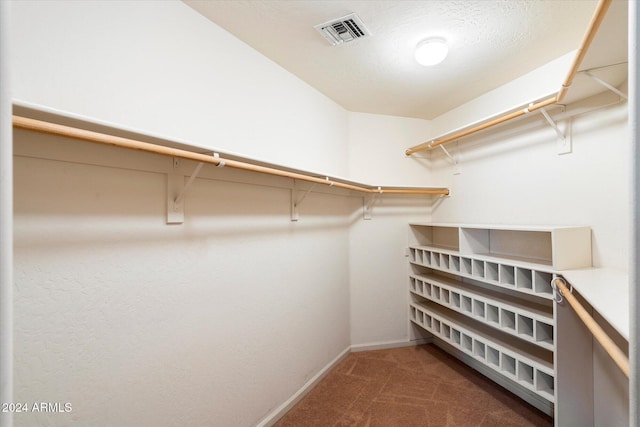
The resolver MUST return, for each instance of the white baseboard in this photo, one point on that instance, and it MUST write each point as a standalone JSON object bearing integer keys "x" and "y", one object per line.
{"x": 281, "y": 410}
{"x": 389, "y": 344}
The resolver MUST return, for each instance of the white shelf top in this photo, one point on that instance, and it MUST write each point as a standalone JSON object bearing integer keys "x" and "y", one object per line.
{"x": 524, "y": 227}
{"x": 607, "y": 290}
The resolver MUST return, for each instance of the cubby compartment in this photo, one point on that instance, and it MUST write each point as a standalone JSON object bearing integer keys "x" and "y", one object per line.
{"x": 414, "y": 313}
{"x": 508, "y": 319}
{"x": 455, "y": 299}
{"x": 414, "y": 256}
{"x": 466, "y": 304}
{"x": 507, "y": 275}
{"x": 478, "y": 309}
{"x": 435, "y": 292}
{"x": 455, "y": 335}
{"x": 436, "y": 326}
{"x": 524, "y": 279}
{"x": 533, "y": 245}
{"x": 412, "y": 284}
{"x": 445, "y": 296}
{"x": 444, "y": 261}
{"x": 446, "y": 331}
{"x": 435, "y": 259}
{"x": 427, "y": 289}
{"x": 479, "y": 349}
{"x": 455, "y": 264}
{"x": 493, "y": 314}
{"x": 467, "y": 343}
{"x": 525, "y": 373}
{"x": 508, "y": 365}
{"x": 420, "y": 287}
{"x": 493, "y": 357}
{"x": 542, "y": 282}
{"x": 427, "y": 321}
{"x": 544, "y": 332}
{"x": 544, "y": 383}
{"x": 426, "y": 258}
{"x": 478, "y": 269}
{"x": 465, "y": 266}
{"x": 442, "y": 237}
{"x": 491, "y": 271}
{"x": 525, "y": 326}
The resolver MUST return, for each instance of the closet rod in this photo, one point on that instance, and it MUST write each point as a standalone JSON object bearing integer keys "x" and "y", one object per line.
{"x": 101, "y": 138}
{"x": 594, "y": 24}
{"x": 598, "y": 333}
{"x": 592, "y": 29}
{"x": 483, "y": 126}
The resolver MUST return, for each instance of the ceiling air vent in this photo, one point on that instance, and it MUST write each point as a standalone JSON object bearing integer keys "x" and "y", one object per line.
{"x": 343, "y": 30}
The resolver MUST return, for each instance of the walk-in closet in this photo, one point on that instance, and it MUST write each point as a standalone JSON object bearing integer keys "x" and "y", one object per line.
{"x": 284, "y": 213}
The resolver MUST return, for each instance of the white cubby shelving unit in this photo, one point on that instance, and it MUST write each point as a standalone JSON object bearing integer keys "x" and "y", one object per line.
{"x": 484, "y": 291}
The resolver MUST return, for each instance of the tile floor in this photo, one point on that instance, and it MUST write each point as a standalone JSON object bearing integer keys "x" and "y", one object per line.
{"x": 410, "y": 386}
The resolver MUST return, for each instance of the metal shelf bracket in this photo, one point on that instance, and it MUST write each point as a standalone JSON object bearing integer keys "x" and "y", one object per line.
{"x": 605, "y": 84}
{"x": 176, "y": 192}
{"x": 368, "y": 202}
{"x": 295, "y": 203}
{"x": 564, "y": 137}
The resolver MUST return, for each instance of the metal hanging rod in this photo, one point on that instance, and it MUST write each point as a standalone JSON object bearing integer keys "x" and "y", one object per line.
{"x": 594, "y": 24}
{"x": 598, "y": 333}
{"x": 102, "y": 138}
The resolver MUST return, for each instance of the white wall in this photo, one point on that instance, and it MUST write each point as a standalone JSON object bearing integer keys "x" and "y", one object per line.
{"x": 163, "y": 68}
{"x": 513, "y": 175}
{"x": 376, "y": 150}
{"x": 378, "y": 266}
{"x": 214, "y": 322}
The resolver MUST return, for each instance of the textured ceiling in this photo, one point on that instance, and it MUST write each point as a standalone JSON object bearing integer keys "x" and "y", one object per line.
{"x": 491, "y": 43}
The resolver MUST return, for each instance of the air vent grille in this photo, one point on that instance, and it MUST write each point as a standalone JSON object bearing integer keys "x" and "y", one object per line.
{"x": 343, "y": 30}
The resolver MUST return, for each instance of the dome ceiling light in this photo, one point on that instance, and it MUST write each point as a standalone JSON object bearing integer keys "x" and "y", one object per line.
{"x": 431, "y": 51}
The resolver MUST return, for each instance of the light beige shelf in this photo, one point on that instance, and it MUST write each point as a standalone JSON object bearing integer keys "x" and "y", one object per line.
{"x": 486, "y": 290}
{"x": 528, "y": 366}
{"x": 604, "y": 289}
{"x": 526, "y": 278}
{"x": 523, "y": 319}
{"x": 555, "y": 247}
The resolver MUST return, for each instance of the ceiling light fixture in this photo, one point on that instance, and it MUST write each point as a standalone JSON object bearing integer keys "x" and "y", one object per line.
{"x": 431, "y": 51}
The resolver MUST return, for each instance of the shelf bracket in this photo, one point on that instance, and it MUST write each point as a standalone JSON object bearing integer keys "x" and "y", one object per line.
{"x": 186, "y": 187}
{"x": 564, "y": 141}
{"x": 553, "y": 124}
{"x": 367, "y": 205}
{"x": 453, "y": 161}
{"x": 605, "y": 84}
{"x": 296, "y": 203}
{"x": 176, "y": 192}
